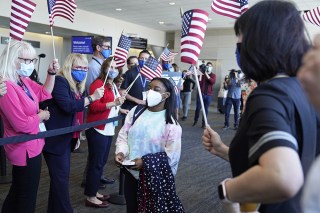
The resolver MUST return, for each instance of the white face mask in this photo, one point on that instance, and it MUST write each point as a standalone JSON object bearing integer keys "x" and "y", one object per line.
{"x": 25, "y": 69}
{"x": 209, "y": 69}
{"x": 153, "y": 98}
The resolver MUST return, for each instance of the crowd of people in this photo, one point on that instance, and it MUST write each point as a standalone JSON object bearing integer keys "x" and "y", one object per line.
{"x": 272, "y": 155}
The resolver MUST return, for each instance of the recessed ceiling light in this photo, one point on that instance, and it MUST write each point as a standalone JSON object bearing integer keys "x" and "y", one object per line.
{"x": 172, "y": 3}
{"x": 209, "y": 19}
{"x": 118, "y": 9}
{"x": 47, "y": 33}
{"x": 161, "y": 22}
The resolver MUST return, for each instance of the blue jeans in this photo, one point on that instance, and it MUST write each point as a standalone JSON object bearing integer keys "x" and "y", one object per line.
{"x": 236, "y": 108}
{"x": 185, "y": 96}
{"x": 206, "y": 101}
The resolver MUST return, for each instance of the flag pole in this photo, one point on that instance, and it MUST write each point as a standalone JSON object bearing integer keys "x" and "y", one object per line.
{"x": 108, "y": 72}
{"x": 129, "y": 87}
{"x": 7, "y": 55}
{"x": 54, "y": 50}
{"x": 200, "y": 96}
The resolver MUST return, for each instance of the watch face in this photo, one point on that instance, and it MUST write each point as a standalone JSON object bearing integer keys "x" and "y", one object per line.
{"x": 220, "y": 192}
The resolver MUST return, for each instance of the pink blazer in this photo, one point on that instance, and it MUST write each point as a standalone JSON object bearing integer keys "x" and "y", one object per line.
{"x": 19, "y": 115}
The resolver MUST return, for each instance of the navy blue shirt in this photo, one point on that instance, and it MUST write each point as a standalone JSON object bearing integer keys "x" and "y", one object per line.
{"x": 139, "y": 86}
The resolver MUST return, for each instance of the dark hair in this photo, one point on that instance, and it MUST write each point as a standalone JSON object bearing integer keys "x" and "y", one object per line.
{"x": 131, "y": 57}
{"x": 103, "y": 68}
{"x": 209, "y": 63}
{"x": 99, "y": 40}
{"x": 273, "y": 40}
{"x": 144, "y": 51}
{"x": 170, "y": 102}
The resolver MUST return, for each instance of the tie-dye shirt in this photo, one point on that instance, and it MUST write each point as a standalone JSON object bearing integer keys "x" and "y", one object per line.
{"x": 150, "y": 134}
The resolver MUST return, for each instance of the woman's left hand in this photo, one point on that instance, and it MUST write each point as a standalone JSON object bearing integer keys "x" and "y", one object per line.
{"x": 54, "y": 66}
{"x": 138, "y": 164}
{"x": 120, "y": 100}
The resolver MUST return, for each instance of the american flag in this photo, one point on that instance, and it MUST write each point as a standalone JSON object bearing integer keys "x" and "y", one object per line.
{"x": 167, "y": 55}
{"x": 190, "y": 71}
{"x": 312, "y": 16}
{"x": 63, "y": 8}
{"x": 21, "y": 12}
{"x": 194, "y": 25}
{"x": 230, "y": 8}
{"x": 151, "y": 68}
{"x": 122, "y": 49}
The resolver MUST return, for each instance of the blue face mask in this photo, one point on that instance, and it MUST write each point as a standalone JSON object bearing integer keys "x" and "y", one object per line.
{"x": 171, "y": 69}
{"x": 78, "y": 75}
{"x": 113, "y": 74}
{"x": 141, "y": 63}
{"x": 106, "y": 53}
{"x": 166, "y": 66}
{"x": 238, "y": 54}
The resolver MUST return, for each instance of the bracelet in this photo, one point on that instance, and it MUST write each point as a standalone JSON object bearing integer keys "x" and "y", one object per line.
{"x": 52, "y": 73}
{"x": 90, "y": 99}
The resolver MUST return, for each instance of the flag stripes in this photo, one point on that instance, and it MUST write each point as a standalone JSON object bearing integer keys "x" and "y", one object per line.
{"x": 312, "y": 16}
{"x": 194, "y": 25}
{"x": 229, "y": 8}
{"x": 121, "y": 53}
{"x": 63, "y": 8}
{"x": 151, "y": 69}
{"x": 21, "y": 12}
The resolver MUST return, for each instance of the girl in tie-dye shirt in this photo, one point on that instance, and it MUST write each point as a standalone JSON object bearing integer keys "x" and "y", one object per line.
{"x": 155, "y": 130}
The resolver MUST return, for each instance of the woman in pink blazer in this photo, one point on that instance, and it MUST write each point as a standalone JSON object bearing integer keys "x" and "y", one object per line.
{"x": 19, "y": 110}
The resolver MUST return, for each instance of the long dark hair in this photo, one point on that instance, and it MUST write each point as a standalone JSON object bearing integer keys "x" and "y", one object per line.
{"x": 170, "y": 102}
{"x": 273, "y": 40}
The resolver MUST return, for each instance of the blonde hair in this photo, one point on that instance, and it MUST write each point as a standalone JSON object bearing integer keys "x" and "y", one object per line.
{"x": 78, "y": 60}
{"x": 16, "y": 49}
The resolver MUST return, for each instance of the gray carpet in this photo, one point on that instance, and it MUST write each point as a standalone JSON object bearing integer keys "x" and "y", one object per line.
{"x": 198, "y": 175}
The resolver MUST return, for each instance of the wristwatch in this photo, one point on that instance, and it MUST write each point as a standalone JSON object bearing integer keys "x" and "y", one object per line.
{"x": 222, "y": 191}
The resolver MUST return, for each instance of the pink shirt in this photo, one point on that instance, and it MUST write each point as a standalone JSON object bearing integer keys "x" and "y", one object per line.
{"x": 19, "y": 116}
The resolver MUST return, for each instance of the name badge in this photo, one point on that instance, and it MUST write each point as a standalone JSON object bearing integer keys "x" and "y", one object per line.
{"x": 144, "y": 96}
{"x": 42, "y": 127}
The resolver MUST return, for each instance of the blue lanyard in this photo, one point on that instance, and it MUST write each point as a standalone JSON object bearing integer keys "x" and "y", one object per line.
{"x": 25, "y": 88}
{"x": 143, "y": 82}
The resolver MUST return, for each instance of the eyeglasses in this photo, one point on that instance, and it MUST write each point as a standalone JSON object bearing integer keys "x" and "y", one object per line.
{"x": 80, "y": 68}
{"x": 28, "y": 61}
{"x": 105, "y": 47}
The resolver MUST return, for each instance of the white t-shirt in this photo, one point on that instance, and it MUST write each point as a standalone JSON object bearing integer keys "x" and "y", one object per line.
{"x": 110, "y": 127}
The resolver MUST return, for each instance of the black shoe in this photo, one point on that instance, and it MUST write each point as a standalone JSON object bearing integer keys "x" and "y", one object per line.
{"x": 225, "y": 128}
{"x": 184, "y": 118}
{"x": 106, "y": 180}
{"x": 79, "y": 150}
{"x": 194, "y": 123}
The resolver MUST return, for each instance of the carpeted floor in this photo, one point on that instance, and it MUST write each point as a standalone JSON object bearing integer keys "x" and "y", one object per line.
{"x": 198, "y": 175}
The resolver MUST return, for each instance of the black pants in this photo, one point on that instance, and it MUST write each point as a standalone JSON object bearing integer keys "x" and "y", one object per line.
{"x": 130, "y": 192}
{"x": 99, "y": 148}
{"x": 23, "y": 191}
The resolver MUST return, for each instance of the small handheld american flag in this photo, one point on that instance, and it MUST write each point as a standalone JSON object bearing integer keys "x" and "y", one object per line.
{"x": 21, "y": 12}
{"x": 167, "y": 55}
{"x": 63, "y": 8}
{"x": 194, "y": 25}
{"x": 120, "y": 56}
{"x": 151, "y": 69}
{"x": 230, "y": 8}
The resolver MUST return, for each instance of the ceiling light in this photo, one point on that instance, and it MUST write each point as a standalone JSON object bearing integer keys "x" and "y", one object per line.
{"x": 47, "y": 33}
{"x": 209, "y": 19}
{"x": 172, "y": 3}
{"x": 161, "y": 22}
{"x": 118, "y": 9}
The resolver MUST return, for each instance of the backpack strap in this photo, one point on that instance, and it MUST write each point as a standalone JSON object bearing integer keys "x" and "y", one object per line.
{"x": 137, "y": 112}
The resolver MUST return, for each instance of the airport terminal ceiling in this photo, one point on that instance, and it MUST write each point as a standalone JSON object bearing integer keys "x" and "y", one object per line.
{"x": 165, "y": 14}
